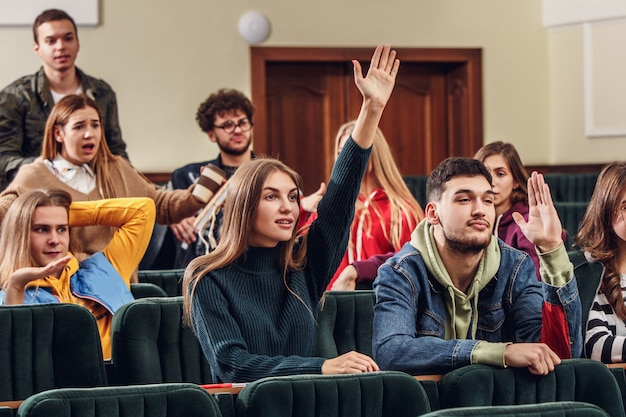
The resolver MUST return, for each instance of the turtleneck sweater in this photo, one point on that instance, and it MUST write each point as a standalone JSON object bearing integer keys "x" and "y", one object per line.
{"x": 250, "y": 320}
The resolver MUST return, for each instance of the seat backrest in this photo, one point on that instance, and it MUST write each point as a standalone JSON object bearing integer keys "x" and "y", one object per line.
{"x": 168, "y": 279}
{"x": 571, "y": 186}
{"x": 344, "y": 323}
{"x": 45, "y": 346}
{"x": 145, "y": 289}
{"x": 571, "y": 214}
{"x": 582, "y": 380}
{"x": 557, "y": 409}
{"x": 588, "y": 277}
{"x": 164, "y": 400}
{"x": 417, "y": 185}
{"x": 375, "y": 394}
{"x": 150, "y": 345}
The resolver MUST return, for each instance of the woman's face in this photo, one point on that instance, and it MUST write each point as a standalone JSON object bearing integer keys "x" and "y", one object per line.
{"x": 277, "y": 213}
{"x": 80, "y": 136}
{"x": 503, "y": 182}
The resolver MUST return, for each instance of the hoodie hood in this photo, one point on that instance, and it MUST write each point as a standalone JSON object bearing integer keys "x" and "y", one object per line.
{"x": 505, "y": 222}
{"x": 459, "y": 305}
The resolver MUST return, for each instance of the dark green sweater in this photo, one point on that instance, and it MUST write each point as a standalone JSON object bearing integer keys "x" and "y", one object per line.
{"x": 248, "y": 323}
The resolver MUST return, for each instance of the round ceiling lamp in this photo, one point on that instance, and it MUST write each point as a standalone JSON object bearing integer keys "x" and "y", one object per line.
{"x": 254, "y": 27}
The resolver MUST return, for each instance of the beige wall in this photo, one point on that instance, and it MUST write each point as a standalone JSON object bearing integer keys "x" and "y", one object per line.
{"x": 163, "y": 58}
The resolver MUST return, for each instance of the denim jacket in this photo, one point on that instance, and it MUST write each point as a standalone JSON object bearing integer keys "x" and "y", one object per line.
{"x": 410, "y": 312}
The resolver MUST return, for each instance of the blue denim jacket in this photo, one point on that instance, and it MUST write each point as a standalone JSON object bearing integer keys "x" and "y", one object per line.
{"x": 409, "y": 315}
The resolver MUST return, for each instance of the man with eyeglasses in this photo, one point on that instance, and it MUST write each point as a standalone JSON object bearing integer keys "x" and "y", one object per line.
{"x": 226, "y": 117}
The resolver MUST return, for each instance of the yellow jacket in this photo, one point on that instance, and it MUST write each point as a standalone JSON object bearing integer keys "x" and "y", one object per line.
{"x": 134, "y": 220}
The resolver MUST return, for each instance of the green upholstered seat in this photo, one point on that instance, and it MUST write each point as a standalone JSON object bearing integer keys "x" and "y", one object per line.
{"x": 557, "y": 409}
{"x": 168, "y": 279}
{"x": 588, "y": 280}
{"x": 150, "y": 345}
{"x": 344, "y": 323}
{"x": 374, "y": 394}
{"x": 582, "y": 380}
{"x": 571, "y": 214}
{"x": 145, "y": 289}
{"x": 47, "y": 346}
{"x": 571, "y": 186}
{"x": 417, "y": 185}
{"x": 160, "y": 400}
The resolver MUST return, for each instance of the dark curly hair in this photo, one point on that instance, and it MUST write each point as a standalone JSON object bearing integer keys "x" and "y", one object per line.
{"x": 224, "y": 100}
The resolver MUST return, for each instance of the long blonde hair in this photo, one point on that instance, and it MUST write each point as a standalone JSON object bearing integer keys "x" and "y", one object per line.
{"x": 17, "y": 225}
{"x": 387, "y": 174}
{"x": 240, "y": 209}
{"x": 102, "y": 163}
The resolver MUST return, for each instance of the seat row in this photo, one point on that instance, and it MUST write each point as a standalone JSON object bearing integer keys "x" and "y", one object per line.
{"x": 41, "y": 349}
{"x": 375, "y": 394}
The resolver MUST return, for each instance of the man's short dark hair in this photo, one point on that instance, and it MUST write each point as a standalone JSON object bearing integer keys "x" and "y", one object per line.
{"x": 51, "y": 15}
{"x": 224, "y": 100}
{"x": 450, "y": 168}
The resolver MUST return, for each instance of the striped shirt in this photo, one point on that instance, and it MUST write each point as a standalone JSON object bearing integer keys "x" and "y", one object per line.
{"x": 605, "y": 339}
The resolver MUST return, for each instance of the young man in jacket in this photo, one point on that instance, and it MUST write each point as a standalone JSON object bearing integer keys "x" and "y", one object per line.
{"x": 456, "y": 295}
{"x": 26, "y": 103}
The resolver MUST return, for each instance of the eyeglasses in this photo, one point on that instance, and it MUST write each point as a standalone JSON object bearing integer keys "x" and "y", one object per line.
{"x": 230, "y": 126}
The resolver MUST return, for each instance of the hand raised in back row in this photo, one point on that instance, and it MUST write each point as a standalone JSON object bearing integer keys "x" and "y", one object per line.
{"x": 378, "y": 84}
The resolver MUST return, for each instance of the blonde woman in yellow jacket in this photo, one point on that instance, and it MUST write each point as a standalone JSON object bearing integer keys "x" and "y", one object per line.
{"x": 37, "y": 266}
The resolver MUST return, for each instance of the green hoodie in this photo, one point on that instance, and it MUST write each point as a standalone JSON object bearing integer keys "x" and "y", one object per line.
{"x": 459, "y": 305}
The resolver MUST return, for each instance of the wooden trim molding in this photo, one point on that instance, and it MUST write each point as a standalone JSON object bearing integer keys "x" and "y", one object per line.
{"x": 162, "y": 178}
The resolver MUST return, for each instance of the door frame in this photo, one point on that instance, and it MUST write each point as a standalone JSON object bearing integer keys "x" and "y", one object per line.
{"x": 464, "y": 140}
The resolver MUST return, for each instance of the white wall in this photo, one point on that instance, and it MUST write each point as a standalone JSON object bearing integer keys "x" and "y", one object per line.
{"x": 163, "y": 58}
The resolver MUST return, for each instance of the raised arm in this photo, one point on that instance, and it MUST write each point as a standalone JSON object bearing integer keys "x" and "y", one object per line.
{"x": 543, "y": 228}
{"x": 329, "y": 233}
{"x": 376, "y": 88}
{"x": 134, "y": 218}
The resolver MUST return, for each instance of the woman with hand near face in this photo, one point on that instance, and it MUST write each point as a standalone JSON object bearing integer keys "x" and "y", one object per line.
{"x": 76, "y": 158}
{"x": 252, "y": 301}
{"x": 38, "y": 267}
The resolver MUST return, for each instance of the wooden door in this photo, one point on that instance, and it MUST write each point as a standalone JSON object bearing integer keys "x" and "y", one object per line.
{"x": 303, "y": 95}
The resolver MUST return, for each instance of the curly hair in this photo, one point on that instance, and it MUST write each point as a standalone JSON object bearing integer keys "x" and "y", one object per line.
{"x": 220, "y": 102}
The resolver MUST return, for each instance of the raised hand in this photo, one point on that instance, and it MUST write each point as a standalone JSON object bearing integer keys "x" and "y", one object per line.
{"x": 543, "y": 227}
{"x": 20, "y": 278}
{"x": 376, "y": 88}
{"x": 309, "y": 203}
{"x": 378, "y": 84}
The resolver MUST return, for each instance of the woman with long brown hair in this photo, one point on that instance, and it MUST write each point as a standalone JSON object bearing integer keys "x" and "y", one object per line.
{"x": 602, "y": 236}
{"x": 252, "y": 300}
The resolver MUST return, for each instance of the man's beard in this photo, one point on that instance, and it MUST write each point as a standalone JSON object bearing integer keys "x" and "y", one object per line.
{"x": 234, "y": 152}
{"x": 466, "y": 246}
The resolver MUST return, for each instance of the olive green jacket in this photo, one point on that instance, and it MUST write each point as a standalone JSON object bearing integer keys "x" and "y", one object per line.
{"x": 25, "y": 106}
